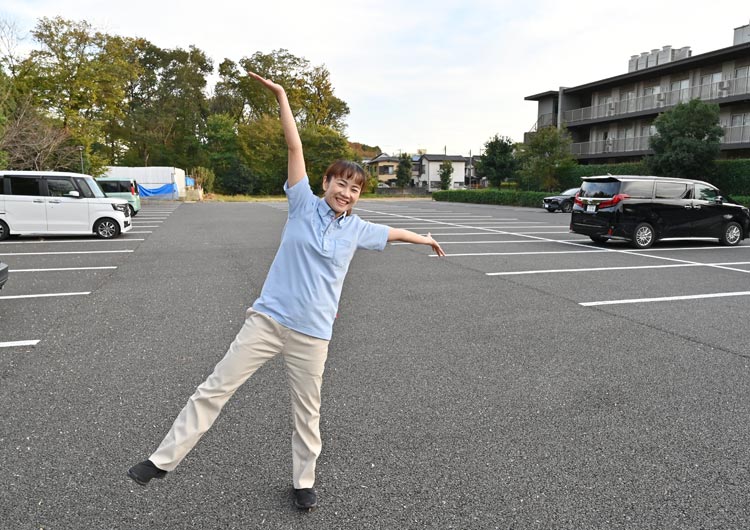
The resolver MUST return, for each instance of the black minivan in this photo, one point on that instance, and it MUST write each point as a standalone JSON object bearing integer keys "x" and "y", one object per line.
{"x": 643, "y": 209}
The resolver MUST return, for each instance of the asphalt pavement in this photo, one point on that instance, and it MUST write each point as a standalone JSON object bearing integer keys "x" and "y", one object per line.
{"x": 530, "y": 379}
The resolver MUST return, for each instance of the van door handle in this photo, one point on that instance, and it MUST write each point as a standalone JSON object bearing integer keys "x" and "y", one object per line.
{"x": 55, "y": 202}
{"x": 38, "y": 200}
{"x": 689, "y": 206}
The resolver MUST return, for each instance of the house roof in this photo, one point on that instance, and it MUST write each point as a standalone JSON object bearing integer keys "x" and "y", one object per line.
{"x": 731, "y": 52}
{"x": 437, "y": 158}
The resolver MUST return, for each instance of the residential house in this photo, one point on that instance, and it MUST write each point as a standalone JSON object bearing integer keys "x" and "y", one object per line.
{"x": 384, "y": 167}
{"x": 611, "y": 120}
{"x": 429, "y": 171}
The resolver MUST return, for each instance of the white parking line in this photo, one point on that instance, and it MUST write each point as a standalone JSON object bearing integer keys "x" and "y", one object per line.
{"x": 665, "y": 299}
{"x": 142, "y": 231}
{"x": 624, "y": 268}
{"x": 61, "y": 253}
{"x": 48, "y": 295}
{"x": 142, "y": 226}
{"x": 118, "y": 240}
{"x": 17, "y": 343}
{"x": 66, "y": 269}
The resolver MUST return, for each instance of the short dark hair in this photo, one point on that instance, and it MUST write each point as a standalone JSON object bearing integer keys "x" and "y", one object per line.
{"x": 348, "y": 170}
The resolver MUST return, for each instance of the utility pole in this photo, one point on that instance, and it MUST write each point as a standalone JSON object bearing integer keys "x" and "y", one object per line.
{"x": 80, "y": 152}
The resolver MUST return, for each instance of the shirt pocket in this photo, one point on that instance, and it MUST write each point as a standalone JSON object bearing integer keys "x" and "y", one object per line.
{"x": 342, "y": 252}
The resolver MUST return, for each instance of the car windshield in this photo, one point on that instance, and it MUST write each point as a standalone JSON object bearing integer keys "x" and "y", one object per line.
{"x": 95, "y": 189}
{"x": 600, "y": 188}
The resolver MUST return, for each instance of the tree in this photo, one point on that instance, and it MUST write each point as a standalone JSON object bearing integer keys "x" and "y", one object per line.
{"x": 687, "y": 141}
{"x": 30, "y": 141}
{"x": 497, "y": 163}
{"x": 79, "y": 77}
{"x": 544, "y": 157}
{"x": 446, "y": 174}
{"x": 403, "y": 173}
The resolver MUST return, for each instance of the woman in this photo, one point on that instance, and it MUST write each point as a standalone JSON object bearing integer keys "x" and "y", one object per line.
{"x": 294, "y": 314}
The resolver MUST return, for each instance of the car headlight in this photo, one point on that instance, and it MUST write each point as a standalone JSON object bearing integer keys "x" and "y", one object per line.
{"x": 120, "y": 207}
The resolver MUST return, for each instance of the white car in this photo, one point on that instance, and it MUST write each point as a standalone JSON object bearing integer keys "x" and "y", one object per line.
{"x": 56, "y": 203}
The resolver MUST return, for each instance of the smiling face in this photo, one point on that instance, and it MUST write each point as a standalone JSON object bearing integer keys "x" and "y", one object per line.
{"x": 343, "y": 184}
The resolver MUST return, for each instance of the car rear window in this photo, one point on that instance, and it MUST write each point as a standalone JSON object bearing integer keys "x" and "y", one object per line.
{"x": 600, "y": 188}
{"x": 2, "y": 186}
{"x": 111, "y": 186}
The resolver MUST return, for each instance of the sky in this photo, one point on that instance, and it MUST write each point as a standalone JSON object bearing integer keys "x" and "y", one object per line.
{"x": 439, "y": 75}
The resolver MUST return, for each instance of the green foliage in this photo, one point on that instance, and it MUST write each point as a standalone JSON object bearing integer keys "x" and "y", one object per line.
{"x": 497, "y": 163}
{"x": 403, "y": 173}
{"x": 492, "y": 196}
{"x": 544, "y": 158}
{"x": 371, "y": 186}
{"x": 308, "y": 88}
{"x": 732, "y": 177}
{"x": 687, "y": 140}
{"x": 446, "y": 174}
{"x": 130, "y": 102}
{"x": 204, "y": 178}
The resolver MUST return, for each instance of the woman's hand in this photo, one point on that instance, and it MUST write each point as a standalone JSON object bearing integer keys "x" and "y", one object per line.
{"x": 276, "y": 88}
{"x": 435, "y": 245}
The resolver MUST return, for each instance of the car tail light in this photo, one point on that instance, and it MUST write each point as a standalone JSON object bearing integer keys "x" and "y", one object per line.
{"x": 578, "y": 200}
{"x": 614, "y": 200}
{"x": 132, "y": 189}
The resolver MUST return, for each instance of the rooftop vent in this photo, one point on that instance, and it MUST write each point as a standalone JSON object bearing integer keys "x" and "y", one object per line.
{"x": 742, "y": 35}
{"x": 657, "y": 57}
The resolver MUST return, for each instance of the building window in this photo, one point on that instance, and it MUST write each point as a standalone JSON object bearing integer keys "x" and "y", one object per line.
{"x": 679, "y": 91}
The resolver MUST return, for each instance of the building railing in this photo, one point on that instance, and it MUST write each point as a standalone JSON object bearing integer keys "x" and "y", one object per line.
{"x": 732, "y": 135}
{"x": 712, "y": 91}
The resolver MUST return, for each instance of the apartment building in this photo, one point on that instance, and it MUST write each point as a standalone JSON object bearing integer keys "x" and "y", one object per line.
{"x": 611, "y": 120}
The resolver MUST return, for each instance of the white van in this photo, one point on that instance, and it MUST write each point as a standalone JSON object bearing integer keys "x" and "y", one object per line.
{"x": 56, "y": 203}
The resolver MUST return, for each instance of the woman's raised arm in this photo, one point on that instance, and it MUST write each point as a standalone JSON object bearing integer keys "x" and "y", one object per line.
{"x": 296, "y": 162}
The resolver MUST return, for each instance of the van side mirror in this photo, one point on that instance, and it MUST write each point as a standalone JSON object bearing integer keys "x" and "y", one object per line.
{"x": 75, "y": 194}
{"x": 719, "y": 199}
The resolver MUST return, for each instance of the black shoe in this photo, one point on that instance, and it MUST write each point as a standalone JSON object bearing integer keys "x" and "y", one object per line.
{"x": 305, "y": 498}
{"x": 144, "y": 472}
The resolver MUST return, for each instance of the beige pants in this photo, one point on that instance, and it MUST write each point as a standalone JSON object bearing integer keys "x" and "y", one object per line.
{"x": 259, "y": 340}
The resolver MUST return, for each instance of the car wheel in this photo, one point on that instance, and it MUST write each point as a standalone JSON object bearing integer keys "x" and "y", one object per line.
{"x": 731, "y": 235}
{"x": 4, "y": 231}
{"x": 132, "y": 210}
{"x": 598, "y": 239}
{"x": 643, "y": 236}
{"x": 551, "y": 210}
{"x": 107, "y": 228}
{"x": 567, "y": 207}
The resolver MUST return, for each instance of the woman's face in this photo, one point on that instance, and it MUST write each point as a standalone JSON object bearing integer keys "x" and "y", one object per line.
{"x": 341, "y": 194}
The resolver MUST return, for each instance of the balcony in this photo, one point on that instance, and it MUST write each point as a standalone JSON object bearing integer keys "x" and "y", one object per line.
{"x": 714, "y": 91}
{"x": 625, "y": 146}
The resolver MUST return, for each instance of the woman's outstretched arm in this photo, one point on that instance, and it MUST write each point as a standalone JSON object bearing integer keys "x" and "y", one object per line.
{"x": 407, "y": 236}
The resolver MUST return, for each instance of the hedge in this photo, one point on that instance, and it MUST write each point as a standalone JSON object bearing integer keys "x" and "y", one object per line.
{"x": 492, "y": 196}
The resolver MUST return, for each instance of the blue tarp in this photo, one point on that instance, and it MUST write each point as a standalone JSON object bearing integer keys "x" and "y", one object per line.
{"x": 189, "y": 181}
{"x": 167, "y": 191}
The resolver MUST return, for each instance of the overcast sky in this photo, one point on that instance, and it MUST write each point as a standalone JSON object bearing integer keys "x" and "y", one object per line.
{"x": 434, "y": 75}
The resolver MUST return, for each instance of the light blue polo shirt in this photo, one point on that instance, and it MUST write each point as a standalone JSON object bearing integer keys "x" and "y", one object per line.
{"x": 303, "y": 286}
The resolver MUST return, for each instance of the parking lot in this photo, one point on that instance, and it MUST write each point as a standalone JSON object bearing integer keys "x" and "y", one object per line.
{"x": 529, "y": 379}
